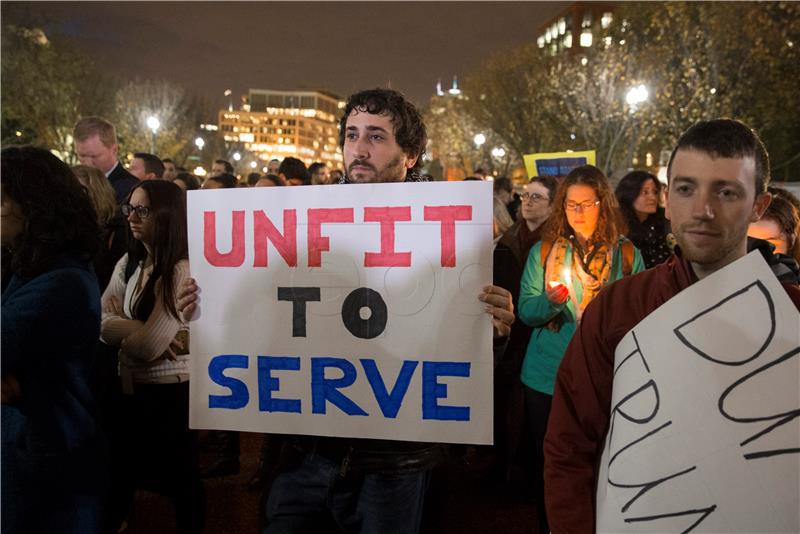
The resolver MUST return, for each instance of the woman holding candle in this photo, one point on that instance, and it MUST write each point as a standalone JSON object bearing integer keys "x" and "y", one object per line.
{"x": 582, "y": 251}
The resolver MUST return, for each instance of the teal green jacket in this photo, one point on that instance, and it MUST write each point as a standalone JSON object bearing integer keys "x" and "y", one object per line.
{"x": 546, "y": 348}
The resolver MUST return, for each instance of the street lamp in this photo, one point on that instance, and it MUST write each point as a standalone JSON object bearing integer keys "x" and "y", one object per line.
{"x": 479, "y": 139}
{"x": 199, "y": 143}
{"x": 636, "y": 95}
{"x": 499, "y": 152}
{"x": 253, "y": 164}
{"x": 237, "y": 156}
{"x": 153, "y": 123}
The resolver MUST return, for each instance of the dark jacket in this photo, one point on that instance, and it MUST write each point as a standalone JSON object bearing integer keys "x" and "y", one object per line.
{"x": 122, "y": 181}
{"x": 510, "y": 256}
{"x": 50, "y": 439}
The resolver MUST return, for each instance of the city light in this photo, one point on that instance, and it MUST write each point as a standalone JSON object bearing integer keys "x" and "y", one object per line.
{"x": 237, "y": 156}
{"x": 499, "y": 152}
{"x": 153, "y": 123}
{"x": 636, "y": 95}
{"x": 199, "y": 171}
{"x": 479, "y": 139}
{"x": 200, "y": 143}
{"x": 253, "y": 164}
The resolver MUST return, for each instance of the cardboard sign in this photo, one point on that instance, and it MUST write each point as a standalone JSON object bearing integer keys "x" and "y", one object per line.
{"x": 344, "y": 310}
{"x": 556, "y": 163}
{"x": 704, "y": 433}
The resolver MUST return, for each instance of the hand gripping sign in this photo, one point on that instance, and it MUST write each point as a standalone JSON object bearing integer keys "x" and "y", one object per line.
{"x": 343, "y": 311}
{"x": 704, "y": 434}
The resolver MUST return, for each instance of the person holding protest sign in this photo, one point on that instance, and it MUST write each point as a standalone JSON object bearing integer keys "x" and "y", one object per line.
{"x": 155, "y": 448}
{"x": 582, "y": 251}
{"x": 718, "y": 174}
{"x": 363, "y": 485}
{"x": 53, "y": 453}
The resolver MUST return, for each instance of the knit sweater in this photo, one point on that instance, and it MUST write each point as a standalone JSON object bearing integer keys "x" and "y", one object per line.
{"x": 143, "y": 346}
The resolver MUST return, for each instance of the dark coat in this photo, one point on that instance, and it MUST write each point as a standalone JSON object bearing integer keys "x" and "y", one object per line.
{"x": 122, "y": 181}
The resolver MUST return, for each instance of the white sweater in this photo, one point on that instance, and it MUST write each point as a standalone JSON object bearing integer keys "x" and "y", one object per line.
{"x": 143, "y": 346}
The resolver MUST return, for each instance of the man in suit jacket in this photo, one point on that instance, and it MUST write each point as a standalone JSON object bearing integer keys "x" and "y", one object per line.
{"x": 96, "y": 146}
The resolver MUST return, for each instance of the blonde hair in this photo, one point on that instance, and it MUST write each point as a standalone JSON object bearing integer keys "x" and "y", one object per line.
{"x": 100, "y": 191}
{"x": 90, "y": 126}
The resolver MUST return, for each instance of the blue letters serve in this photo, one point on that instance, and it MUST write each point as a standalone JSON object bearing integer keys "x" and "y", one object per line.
{"x": 327, "y": 389}
{"x": 239, "y": 396}
{"x": 389, "y": 402}
{"x": 267, "y": 383}
{"x": 432, "y": 391}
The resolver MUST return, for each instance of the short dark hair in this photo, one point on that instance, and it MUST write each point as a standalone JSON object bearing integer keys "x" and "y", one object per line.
{"x": 272, "y": 178}
{"x": 59, "y": 216}
{"x": 189, "y": 179}
{"x": 226, "y": 164}
{"x": 152, "y": 163}
{"x": 550, "y": 183}
{"x": 293, "y": 168}
{"x": 252, "y": 178}
{"x": 166, "y": 160}
{"x": 503, "y": 184}
{"x": 726, "y": 138}
{"x": 315, "y": 167}
{"x": 226, "y": 180}
{"x": 409, "y": 128}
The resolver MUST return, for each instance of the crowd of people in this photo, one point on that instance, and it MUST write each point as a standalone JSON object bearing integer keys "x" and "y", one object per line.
{"x": 98, "y": 299}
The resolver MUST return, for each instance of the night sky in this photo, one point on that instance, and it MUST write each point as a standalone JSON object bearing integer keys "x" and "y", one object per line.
{"x": 338, "y": 46}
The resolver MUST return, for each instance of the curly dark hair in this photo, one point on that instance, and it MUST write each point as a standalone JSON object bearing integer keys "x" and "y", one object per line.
{"x": 609, "y": 223}
{"x": 170, "y": 243}
{"x": 409, "y": 129}
{"x": 59, "y": 217}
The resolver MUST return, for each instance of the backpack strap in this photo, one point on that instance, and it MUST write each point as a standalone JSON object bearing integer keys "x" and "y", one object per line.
{"x": 546, "y": 246}
{"x": 628, "y": 253}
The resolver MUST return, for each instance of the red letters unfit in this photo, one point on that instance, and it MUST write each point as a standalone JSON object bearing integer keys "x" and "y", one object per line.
{"x": 264, "y": 231}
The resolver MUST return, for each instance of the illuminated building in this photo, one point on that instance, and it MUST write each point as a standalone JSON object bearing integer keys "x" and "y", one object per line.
{"x": 576, "y": 27}
{"x": 277, "y": 124}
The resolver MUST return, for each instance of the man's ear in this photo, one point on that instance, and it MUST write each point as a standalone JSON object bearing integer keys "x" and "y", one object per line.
{"x": 760, "y": 206}
{"x": 115, "y": 150}
{"x": 411, "y": 161}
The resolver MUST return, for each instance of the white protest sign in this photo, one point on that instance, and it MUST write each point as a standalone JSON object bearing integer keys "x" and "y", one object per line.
{"x": 704, "y": 434}
{"x": 345, "y": 310}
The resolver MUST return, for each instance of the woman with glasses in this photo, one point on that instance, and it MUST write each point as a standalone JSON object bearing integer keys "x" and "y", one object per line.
{"x": 154, "y": 448}
{"x": 53, "y": 455}
{"x": 638, "y": 194}
{"x": 582, "y": 250}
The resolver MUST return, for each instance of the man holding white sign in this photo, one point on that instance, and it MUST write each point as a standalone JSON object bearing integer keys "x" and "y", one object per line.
{"x": 646, "y": 423}
{"x": 353, "y": 366}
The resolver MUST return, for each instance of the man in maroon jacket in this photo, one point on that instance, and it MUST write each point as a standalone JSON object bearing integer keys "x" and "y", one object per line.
{"x": 718, "y": 176}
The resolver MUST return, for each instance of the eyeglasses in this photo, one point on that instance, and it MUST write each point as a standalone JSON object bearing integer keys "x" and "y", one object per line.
{"x": 534, "y": 197}
{"x": 142, "y": 212}
{"x": 581, "y": 206}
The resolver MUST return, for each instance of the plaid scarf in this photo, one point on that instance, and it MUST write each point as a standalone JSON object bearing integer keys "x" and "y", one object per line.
{"x": 592, "y": 267}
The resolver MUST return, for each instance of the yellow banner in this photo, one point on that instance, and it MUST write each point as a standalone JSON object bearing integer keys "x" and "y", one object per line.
{"x": 556, "y": 163}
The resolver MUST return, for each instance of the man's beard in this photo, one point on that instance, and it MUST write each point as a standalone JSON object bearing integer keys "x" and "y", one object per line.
{"x": 393, "y": 171}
